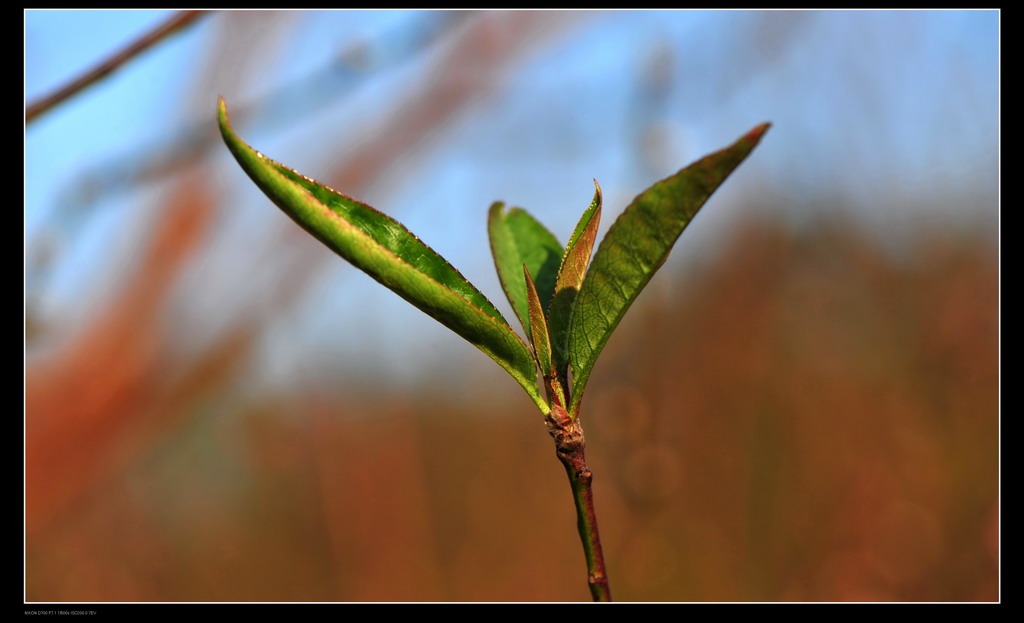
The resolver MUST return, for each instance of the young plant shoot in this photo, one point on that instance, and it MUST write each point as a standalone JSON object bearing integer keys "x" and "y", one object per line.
{"x": 567, "y": 303}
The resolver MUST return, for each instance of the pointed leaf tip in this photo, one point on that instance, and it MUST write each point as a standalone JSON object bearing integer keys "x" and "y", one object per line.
{"x": 755, "y": 135}
{"x": 222, "y": 113}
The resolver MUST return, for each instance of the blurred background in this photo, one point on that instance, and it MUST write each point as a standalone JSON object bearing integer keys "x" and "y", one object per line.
{"x": 803, "y": 404}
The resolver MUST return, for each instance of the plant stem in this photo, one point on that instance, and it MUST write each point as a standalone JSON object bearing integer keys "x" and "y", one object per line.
{"x": 569, "y": 447}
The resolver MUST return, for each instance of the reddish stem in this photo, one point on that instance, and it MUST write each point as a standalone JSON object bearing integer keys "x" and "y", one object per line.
{"x": 569, "y": 447}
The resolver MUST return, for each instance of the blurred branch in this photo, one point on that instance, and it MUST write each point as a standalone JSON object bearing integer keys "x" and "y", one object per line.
{"x": 471, "y": 67}
{"x": 300, "y": 98}
{"x": 78, "y": 417}
{"x": 175, "y": 23}
{"x": 115, "y": 367}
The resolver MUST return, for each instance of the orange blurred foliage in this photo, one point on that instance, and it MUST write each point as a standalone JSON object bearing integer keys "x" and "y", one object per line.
{"x": 812, "y": 420}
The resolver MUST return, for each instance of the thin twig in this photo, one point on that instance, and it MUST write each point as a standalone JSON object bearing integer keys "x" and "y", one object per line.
{"x": 177, "y": 21}
{"x": 569, "y": 447}
{"x": 301, "y": 98}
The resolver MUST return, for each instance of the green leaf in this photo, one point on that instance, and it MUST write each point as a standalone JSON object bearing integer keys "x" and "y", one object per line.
{"x": 516, "y": 239}
{"x": 538, "y": 325}
{"x": 636, "y": 246}
{"x": 541, "y": 340}
{"x": 384, "y": 249}
{"x": 570, "y": 278}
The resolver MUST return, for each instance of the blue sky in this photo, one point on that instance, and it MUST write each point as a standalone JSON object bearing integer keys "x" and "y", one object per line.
{"x": 894, "y": 112}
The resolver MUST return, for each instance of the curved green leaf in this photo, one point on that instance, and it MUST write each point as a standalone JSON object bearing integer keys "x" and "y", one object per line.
{"x": 391, "y": 254}
{"x": 517, "y": 239}
{"x": 570, "y": 278}
{"x": 636, "y": 246}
